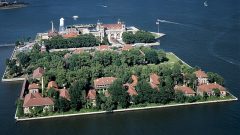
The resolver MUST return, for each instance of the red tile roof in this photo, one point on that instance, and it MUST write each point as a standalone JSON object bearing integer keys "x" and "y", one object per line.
{"x": 103, "y": 48}
{"x": 52, "y": 84}
{"x": 210, "y": 86}
{"x": 91, "y": 94}
{"x": 64, "y": 93}
{"x": 154, "y": 78}
{"x": 201, "y": 74}
{"x": 131, "y": 89}
{"x": 104, "y": 81}
{"x": 113, "y": 26}
{"x": 127, "y": 47}
{"x": 135, "y": 80}
{"x": 184, "y": 89}
{"x": 33, "y": 86}
{"x": 70, "y": 35}
{"x": 35, "y": 99}
{"x": 38, "y": 73}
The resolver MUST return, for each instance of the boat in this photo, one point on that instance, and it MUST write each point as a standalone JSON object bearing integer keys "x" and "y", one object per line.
{"x": 75, "y": 17}
{"x": 205, "y": 4}
{"x": 11, "y": 5}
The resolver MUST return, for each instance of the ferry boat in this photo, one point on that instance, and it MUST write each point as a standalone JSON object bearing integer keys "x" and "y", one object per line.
{"x": 11, "y": 5}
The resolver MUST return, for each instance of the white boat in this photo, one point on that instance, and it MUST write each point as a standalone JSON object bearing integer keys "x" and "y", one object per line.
{"x": 75, "y": 17}
{"x": 205, "y": 4}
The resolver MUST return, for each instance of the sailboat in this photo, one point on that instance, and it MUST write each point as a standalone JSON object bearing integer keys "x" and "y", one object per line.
{"x": 205, "y": 4}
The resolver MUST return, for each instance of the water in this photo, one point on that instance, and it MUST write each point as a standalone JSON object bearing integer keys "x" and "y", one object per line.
{"x": 205, "y": 36}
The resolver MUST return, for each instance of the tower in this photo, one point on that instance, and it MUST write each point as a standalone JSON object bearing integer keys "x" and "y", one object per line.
{"x": 119, "y": 21}
{"x": 52, "y": 26}
{"x": 61, "y": 25}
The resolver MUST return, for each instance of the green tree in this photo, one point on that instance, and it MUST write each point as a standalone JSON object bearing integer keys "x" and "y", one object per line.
{"x": 179, "y": 97}
{"x": 216, "y": 92}
{"x": 162, "y": 56}
{"x": 77, "y": 94}
{"x": 62, "y": 105}
{"x": 205, "y": 95}
{"x": 119, "y": 94}
{"x": 19, "y": 104}
{"x": 214, "y": 77}
{"x": 145, "y": 92}
{"x": 151, "y": 56}
{"x": 53, "y": 93}
{"x": 23, "y": 59}
{"x": 15, "y": 70}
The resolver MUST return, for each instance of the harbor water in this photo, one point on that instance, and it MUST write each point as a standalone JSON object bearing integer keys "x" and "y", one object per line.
{"x": 205, "y": 36}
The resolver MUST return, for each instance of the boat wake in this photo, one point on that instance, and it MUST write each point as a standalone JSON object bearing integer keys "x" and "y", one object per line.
{"x": 104, "y": 6}
{"x": 225, "y": 59}
{"x": 170, "y": 22}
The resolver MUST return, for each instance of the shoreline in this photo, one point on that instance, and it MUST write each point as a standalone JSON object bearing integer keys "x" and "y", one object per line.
{"x": 125, "y": 110}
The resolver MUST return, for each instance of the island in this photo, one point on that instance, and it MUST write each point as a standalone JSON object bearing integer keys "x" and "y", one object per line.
{"x": 100, "y": 68}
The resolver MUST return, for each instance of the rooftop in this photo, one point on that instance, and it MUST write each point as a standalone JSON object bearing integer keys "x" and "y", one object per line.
{"x": 64, "y": 93}
{"x": 135, "y": 80}
{"x": 91, "y": 94}
{"x": 104, "y": 81}
{"x": 33, "y": 86}
{"x": 209, "y": 86}
{"x": 184, "y": 89}
{"x": 52, "y": 84}
{"x": 35, "y": 99}
{"x": 113, "y": 26}
{"x": 38, "y": 73}
{"x": 131, "y": 89}
{"x": 201, "y": 74}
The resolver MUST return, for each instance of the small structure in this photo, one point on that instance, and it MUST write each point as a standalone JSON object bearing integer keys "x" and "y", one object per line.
{"x": 64, "y": 93}
{"x": 112, "y": 31}
{"x": 43, "y": 49}
{"x": 33, "y": 88}
{"x": 134, "y": 80}
{"x": 103, "y": 48}
{"x": 131, "y": 89}
{"x": 33, "y": 100}
{"x": 91, "y": 96}
{"x": 38, "y": 73}
{"x": 209, "y": 87}
{"x": 103, "y": 83}
{"x": 187, "y": 91}
{"x": 154, "y": 81}
{"x": 127, "y": 47}
{"x": 201, "y": 77}
{"x": 52, "y": 84}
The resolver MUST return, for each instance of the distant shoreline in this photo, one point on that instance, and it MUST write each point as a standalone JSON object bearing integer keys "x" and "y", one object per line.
{"x": 125, "y": 110}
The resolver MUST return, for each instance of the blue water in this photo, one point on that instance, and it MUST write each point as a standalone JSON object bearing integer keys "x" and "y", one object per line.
{"x": 205, "y": 36}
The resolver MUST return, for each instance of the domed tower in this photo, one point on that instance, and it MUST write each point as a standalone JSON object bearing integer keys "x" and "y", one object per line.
{"x": 61, "y": 25}
{"x": 98, "y": 25}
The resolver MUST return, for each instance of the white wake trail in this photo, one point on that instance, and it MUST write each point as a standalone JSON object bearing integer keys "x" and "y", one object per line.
{"x": 171, "y": 22}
